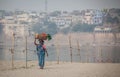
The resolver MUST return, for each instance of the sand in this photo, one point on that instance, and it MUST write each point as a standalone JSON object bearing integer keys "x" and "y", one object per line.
{"x": 64, "y": 69}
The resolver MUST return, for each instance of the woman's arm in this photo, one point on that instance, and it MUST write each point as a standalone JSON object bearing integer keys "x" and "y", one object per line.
{"x": 44, "y": 47}
{"x": 35, "y": 42}
{"x": 46, "y": 52}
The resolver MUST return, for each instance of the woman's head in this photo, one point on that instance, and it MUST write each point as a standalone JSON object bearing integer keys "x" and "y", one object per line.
{"x": 41, "y": 41}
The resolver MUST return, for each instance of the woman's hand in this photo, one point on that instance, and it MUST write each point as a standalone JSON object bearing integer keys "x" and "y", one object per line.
{"x": 35, "y": 42}
{"x": 47, "y": 54}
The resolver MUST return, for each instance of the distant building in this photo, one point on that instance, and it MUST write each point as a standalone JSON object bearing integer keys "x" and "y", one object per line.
{"x": 2, "y": 13}
{"x": 77, "y": 19}
{"x": 93, "y": 17}
{"x": 88, "y": 18}
{"x": 61, "y": 20}
{"x": 103, "y": 29}
{"x": 22, "y": 17}
{"x": 19, "y": 23}
{"x": 97, "y": 17}
{"x": 19, "y": 30}
{"x": 9, "y": 19}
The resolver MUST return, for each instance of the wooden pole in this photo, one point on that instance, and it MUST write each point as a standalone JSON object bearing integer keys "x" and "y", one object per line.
{"x": 97, "y": 57}
{"x": 70, "y": 47}
{"x": 94, "y": 56}
{"x": 101, "y": 54}
{"x": 94, "y": 39}
{"x": 114, "y": 37}
{"x": 26, "y": 49}
{"x": 57, "y": 53}
{"x": 57, "y": 49}
{"x": 12, "y": 49}
{"x": 87, "y": 54}
{"x": 78, "y": 46}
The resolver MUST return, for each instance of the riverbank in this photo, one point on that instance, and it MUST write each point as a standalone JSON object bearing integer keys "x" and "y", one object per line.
{"x": 63, "y": 69}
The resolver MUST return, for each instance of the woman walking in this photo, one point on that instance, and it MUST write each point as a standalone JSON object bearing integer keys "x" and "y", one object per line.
{"x": 41, "y": 49}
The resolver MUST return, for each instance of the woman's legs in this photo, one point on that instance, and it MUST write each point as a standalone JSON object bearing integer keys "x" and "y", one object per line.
{"x": 42, "y": 59}
{"x": 38, "y": 58}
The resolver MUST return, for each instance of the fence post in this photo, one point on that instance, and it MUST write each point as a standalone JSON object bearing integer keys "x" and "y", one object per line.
{"x": 94, "y": 55}
{"x": 94, "y": 38}
{"x": 70, "y": 47}
{"x": 57, "y": 49}
{"x": 12, "y": 49}
{"x": 78, "y": 46}
{"x": 87, "y": 54}
{"x": 101, "y": 54}
{"x": 26, "y": 49}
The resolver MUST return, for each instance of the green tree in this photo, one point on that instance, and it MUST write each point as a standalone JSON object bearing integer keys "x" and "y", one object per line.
{"x": 50, "y": 28}
{"x": 83, "y": 28}
{"x": 55, "y": 13}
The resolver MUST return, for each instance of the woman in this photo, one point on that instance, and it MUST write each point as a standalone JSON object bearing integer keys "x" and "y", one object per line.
{"x": 41, "y": 49}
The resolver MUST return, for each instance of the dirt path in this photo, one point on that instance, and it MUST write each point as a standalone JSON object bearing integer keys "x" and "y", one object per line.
{"x": 66, "y": 70}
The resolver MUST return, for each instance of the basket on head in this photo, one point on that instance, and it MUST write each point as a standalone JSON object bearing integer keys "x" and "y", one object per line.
{"x": 42, "y": 36}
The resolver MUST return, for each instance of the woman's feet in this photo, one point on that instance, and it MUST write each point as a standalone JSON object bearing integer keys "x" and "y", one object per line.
{"x": 41, "y": 67}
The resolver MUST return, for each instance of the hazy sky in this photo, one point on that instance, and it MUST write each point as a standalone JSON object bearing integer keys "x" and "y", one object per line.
{"x": 68, "y": 5}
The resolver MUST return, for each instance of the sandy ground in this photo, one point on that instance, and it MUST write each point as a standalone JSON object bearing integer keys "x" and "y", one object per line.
{"x": 64, "y": 69}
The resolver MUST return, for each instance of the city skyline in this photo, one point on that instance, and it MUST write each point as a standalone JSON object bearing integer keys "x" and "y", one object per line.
{"x": 62, "y": 5}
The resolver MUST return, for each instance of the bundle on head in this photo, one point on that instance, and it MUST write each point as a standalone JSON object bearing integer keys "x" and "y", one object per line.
{"x": 43, "y": 36}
